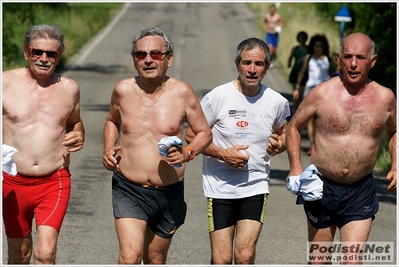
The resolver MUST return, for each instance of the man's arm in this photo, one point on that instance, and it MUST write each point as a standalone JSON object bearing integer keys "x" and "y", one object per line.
{"x": 303, "y": 70}
{"x": 74, "y": 132}
{"x": 265, "y": 23}
{"x": 276, "y": 143}
{"x": 392, "y": 174}
{"x": 231, "y": 155}
{"x": 391, "y": 132}
{"x": 302, "y": 116}
{"x": 111, "y": 134}
{"x": 202, "y": 134}
{"x": 282, "y": 22}
{"x": 293, "y": 145}
{"x": 75, "y": 136}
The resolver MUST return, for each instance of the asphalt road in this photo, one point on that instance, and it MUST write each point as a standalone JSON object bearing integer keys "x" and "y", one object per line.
{"x": 205, "y": 37}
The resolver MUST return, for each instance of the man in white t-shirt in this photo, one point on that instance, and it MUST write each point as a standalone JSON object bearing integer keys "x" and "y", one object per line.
{"x": 248, "y": 123}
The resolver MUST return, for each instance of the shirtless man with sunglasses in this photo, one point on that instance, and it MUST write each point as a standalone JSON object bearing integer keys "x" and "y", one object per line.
{"x": 41, "y": 119}
{"x": 147, "y": 188}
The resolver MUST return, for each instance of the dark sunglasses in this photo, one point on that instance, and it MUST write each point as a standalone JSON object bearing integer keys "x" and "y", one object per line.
{"x": 155, "y": 55}
{"x": 38, "y": 53}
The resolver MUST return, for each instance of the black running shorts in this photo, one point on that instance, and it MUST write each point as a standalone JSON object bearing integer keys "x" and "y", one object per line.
{"x": 343, "y": 203}
{"x": 163, "y": 208}
{"x": 223, "y": 213}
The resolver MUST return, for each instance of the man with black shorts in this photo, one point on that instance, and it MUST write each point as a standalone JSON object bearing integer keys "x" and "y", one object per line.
{"x": 147, "y": 186}
{"x": 248, "y": 122}
{"x": 350, "y": 114}
{"x": 343, "y": 203}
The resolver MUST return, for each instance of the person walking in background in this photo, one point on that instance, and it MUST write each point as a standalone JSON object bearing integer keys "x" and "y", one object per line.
{"x": 317, "y": 66}
{"x": 248, "y": 123}
{"x": 147, "y": 185}
{"x": 335, "y": 69}
{"x": 350, "y": 114}
{"x": 42, "y": 124}
{"x": 298, "y": 54}
{"x": 273, "y": 23}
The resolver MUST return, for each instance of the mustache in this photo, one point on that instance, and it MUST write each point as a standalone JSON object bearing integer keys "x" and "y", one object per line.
{"x": 44, "y": 64}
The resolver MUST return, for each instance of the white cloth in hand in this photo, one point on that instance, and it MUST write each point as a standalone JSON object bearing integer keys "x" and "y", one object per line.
{"x": 308, "y": 184}
{"x": 9, "y": 165}
{"x": 166, "y": 143}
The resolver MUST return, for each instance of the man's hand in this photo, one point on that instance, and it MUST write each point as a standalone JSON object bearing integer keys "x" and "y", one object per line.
{"x": 235, "y": 157}
{"x": 393, "y": 184}
{"x": 176, "y": 155}
{"x": 275, "y": 145}
{"x": 111, "y": 159}
{"x": 73, "y": 141}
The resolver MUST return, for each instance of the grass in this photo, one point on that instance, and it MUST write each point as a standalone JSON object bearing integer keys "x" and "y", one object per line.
{"x": 298, "y": 17}
{"x": 78, "y": 21}
{"x": 384, "y": 160}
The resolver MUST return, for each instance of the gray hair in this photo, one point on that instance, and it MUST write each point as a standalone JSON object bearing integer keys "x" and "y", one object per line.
{"x": 372, "y": 47}
{"x": 153, "y": 31}
{"x": 251, "y": 43}
{"x": 45, "y": 31}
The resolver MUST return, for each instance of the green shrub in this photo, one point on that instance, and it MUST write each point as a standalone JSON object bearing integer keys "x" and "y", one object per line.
{"x": 78, "y": 21}
{"x": 384, "y": 160}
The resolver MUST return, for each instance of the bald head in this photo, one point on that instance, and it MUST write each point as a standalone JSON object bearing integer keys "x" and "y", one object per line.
{"x": 357, "y": 41}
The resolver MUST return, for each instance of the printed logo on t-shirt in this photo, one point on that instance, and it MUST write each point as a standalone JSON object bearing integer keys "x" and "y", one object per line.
{"x": 237, "y": 113}
{"x": 243, "y": 131}
{"x": 242, "y": 135}
{"x": 242, "y": 124}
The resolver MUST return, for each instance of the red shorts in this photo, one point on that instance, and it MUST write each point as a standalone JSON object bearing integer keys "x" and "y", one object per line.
{"x": 44, "y": 198}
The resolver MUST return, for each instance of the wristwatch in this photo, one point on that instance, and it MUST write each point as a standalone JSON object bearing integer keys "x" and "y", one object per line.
{"x": 190, "y": 153}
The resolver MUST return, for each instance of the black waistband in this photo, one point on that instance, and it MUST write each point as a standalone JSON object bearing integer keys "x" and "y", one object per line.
{"x": 150, "y": 186}
{"x": 327, "y": 180}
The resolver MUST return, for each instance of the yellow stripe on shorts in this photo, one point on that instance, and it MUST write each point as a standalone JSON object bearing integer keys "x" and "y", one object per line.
{"x": 211, "y": 226}
{"x": 262, "y": 217}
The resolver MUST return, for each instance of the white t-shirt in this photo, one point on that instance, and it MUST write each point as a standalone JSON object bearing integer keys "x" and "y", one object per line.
{"x": 240, "y": 120}
{"x": 319, "y": 71}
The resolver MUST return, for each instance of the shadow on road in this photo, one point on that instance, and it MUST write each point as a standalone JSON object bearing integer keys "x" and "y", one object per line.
{"x": 96, "y": 107}
{"x": 110, "y": 69}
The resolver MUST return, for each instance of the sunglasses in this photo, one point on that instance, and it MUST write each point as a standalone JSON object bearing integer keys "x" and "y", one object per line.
{"x": 38, "y": 53}
{"x": 155, "y": 55}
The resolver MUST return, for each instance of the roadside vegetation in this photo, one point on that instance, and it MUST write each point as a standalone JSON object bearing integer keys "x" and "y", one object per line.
{"x": 80, "y": 21}
{"x": 377, "y": 20}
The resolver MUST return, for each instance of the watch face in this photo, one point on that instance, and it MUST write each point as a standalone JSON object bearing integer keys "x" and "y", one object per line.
{"x": 191, "y": 154}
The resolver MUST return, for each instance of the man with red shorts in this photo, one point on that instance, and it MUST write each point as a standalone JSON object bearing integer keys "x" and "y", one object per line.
{"x": 44, "y": 127}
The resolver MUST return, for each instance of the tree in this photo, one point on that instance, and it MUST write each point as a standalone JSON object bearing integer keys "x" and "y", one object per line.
{"x": 378, "y": 21}
{"x": 14, "y": 14}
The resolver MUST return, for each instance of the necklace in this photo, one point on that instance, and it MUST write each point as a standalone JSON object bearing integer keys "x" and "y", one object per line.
{"x": 156, "y": 100}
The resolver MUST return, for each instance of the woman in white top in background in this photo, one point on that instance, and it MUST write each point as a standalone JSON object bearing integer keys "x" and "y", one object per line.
{"x": 317, "y": 64}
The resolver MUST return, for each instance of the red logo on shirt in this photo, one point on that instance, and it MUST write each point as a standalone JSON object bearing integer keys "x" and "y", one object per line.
{"x": 242, "y": 124}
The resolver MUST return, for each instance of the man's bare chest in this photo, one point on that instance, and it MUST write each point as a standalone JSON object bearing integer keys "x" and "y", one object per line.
{"x": 38, "y": 107}
{"x": 367, "y": 120}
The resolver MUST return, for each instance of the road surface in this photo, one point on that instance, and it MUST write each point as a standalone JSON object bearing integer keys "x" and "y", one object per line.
{"x": 205, "y": 37}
